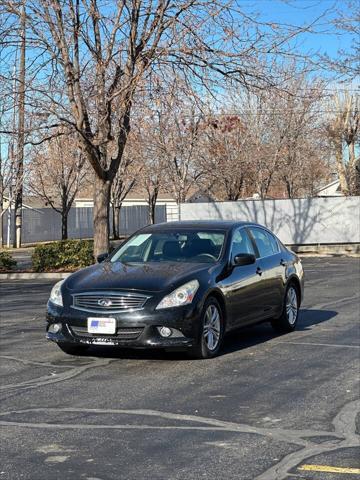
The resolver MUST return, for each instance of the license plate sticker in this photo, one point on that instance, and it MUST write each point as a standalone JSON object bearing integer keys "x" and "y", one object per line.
{"x": 101, "y": 325}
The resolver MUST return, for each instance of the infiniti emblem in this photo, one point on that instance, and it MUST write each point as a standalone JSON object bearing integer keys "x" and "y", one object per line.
{"x": 105, "y": 302}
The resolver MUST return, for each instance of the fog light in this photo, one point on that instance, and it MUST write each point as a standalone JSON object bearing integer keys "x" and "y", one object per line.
{"x": 165, "y": 332}
{"x": 55, "y": 327}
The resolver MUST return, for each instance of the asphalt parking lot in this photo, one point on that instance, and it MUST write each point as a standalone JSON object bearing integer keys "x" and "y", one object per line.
{"x": 269, "y": 408}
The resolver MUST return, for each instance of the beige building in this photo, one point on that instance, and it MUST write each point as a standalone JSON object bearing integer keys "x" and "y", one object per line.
{"x": 330, "y": 190}
{"x": 138, "y": 198}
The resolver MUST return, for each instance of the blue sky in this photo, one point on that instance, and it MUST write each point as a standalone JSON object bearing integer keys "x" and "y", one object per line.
{"x": 300, "y": 12}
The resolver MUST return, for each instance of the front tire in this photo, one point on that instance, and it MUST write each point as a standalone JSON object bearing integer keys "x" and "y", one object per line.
{"x": 72, "y": 349}
{"x": 287, "y": 321}
{"x": 211, "y": 332}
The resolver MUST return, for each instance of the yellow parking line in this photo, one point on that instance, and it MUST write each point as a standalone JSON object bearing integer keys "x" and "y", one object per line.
{"x": 328, "y": 469}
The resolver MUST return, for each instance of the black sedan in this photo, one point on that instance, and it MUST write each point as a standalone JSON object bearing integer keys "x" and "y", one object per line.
{"x": 179, "y": 285}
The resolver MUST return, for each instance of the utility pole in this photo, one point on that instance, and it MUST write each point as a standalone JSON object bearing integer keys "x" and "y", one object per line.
{"x": 1, "y": 194}
{"x": 21, "y": 133}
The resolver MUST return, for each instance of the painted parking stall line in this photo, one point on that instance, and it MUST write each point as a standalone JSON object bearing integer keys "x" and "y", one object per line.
{"x": 329, "y": 469}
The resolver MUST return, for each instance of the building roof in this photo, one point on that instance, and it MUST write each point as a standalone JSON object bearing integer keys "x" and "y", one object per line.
{"x": 86, "y": 194}
{"x": 31, "y": 201}
{"x": 331, "y": 189}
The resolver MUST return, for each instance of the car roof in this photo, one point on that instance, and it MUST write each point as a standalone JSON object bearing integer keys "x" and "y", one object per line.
{"x": 195, "y": 224}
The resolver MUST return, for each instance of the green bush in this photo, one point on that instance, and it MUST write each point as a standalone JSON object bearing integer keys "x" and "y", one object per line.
{"x": 6, "y": 261}
{"x": 63, "y": 255}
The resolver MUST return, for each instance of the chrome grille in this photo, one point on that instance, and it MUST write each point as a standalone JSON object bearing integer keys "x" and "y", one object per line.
{"x": 109, "y": 302}
{"x": 121, "y": 333}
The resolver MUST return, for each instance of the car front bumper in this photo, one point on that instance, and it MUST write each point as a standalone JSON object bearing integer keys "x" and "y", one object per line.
{"x": 133, "y": 329}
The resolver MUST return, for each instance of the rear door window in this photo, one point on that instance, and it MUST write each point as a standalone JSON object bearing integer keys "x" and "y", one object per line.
{"x": 265, "y": 242}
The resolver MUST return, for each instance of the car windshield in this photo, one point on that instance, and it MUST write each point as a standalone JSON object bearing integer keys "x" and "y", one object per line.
{"x": 175, "y": 246}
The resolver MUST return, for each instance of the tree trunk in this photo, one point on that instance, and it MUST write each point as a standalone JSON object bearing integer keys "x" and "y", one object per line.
{"x": 64, "y": 225}
{"x": 102, "y": 190}
{"x": 1, "y": 224}
{"x": 289, "y": 188}
{"x": 351, "y": 147}
{"x": 352, "y": 172}
{"x": 152, "y": 213}
{"x": 152, "y": 199}
{"x": 357, "y": 178}
{"x": 1, "y": 199}
{"x": 116, "y": 221}
{"x": 340, "y": 168}
{"x": 113, "y": 219}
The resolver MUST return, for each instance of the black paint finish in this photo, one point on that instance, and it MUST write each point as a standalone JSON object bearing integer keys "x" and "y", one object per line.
{"x": 247, "y": 293}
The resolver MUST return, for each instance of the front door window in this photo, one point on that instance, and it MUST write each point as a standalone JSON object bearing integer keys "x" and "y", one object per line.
{"x": 241, "y": 243}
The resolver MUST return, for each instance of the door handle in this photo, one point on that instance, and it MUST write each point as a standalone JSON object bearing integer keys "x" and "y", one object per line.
{"x": 283, "y": 263}
{"x": 259, "y": 271}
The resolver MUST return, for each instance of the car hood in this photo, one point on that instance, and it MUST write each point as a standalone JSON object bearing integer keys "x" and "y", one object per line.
{"x": 151, "y": 277}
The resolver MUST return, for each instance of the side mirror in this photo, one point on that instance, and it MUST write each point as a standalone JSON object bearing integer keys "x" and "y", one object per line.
{"x": 103, "y": 256}
{"x": 244, "y": 259}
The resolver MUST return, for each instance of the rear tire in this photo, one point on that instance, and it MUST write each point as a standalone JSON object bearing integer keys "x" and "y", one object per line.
{"x": 212, "y": 331}
{"x": 287, "y": 321}
{"x": 71, "y": 349}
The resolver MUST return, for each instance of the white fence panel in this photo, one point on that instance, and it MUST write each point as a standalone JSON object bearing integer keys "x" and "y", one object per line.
{"x": 295, "y": 221}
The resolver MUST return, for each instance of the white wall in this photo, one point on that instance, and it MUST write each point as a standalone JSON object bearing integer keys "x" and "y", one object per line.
{"x": 295, "y": 221}
{"x": 172, "y": 212}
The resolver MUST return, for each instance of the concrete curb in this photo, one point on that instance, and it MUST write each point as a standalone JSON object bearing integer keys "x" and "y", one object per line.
{"x": 327, "y": 255}
{"x": 345, "y": 249}
{"x": 34, "y": 276}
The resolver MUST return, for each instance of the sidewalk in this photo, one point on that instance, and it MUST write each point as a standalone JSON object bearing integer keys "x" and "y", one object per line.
{"x": 24, "y": 266}
{"x": 22, "y": 257}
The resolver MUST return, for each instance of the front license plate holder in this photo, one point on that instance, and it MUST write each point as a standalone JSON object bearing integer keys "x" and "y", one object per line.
{"x": 101, "y": 325}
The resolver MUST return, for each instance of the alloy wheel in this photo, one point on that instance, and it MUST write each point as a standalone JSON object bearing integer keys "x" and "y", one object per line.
{"x": 212, "y": 327}
{"x": 291, "y": 305}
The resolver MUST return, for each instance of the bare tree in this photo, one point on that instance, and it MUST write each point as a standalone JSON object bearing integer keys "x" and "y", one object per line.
{"x": 227, "y": 156}
{"x": 303, "y": 156}
{"x": 343, "y": 128}
{"x": 347, "y": 23}
{"x": 124, "y": 182}
{"x": 57, "y": 173}
{"x": 154, "y": 160}
{"x": 99, "y": 55}
{"x": 255, "y": 142}
{"x": 154, "y": 152}
{"x": 179, "y": 129}
{"x": 288, "y": 154}
{"x": 153, "y": 180}
{"x": 268, "y": 142}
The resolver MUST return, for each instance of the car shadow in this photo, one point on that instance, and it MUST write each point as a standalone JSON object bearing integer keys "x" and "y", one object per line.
{"x": 153, "y": 354}
{"x": 309, "y": 317}
{"x": 250, "y": 336}
{"x": 240, "y": 339}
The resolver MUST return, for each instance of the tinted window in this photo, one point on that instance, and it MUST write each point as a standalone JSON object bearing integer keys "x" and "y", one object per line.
{"x": 265, "y": 242}
{"x": 241, "y": 243}
{"x": 182, "y": 246}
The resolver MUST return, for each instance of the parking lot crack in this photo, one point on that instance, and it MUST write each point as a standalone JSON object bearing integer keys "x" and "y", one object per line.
{"x": 60, "y": 377}
{"x": 345, "y": 426}
{"x": 297, "y": 437}
{"x": 31, "y": 362}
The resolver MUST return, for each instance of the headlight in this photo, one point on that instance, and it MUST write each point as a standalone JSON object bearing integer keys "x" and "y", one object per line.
{"x": 181, "y": 296}
{"x": 55, "y": 295}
